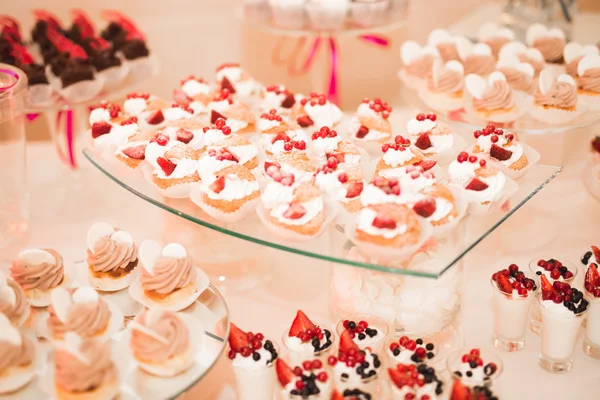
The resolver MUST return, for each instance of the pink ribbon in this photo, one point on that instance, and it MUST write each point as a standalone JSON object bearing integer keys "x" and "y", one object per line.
{"x": 291, "y": 61}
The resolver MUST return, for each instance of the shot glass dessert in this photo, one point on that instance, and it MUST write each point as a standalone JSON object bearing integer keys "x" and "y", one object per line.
{"x": 414, "y": 382}
{"x": 591, "y": 342}
{"x": 563, "y": 308}
{"x": 512, "y": 299}
{"x": 474, "y": 367}
{"x": 309, "y": 381}
{"x": 253, "y": 358}
{"x": 366, "y": 331}
{"x": 307, "y": 341}
{"x": 462, "y": 392}
{"x": 407, "y": 350}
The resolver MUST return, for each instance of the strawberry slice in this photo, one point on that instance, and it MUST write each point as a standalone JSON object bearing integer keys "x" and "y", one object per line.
{"x": 346, "y": 342}
{"x": 285, "y": 375}
{"x": 218, "y": 185}
{"x": 237, "y": 338}
{"x": 281, "y": 136}
{"x": 167, "y": 166}
{"x": 592, "y": 278}
{"x": 401, "y": 378}
{"x": 296, "y": 211}
{"x": 337, "y": 396}
{"x": 596, "y": 252}
{"x": 504, "y": 284}
{"x": 362, "y": 132}
{"x": 384, "y": 223}
{"x": 301, "y": 324}
{"x": 179, "y": 96}
{"x": 426, "y": 164}
{"x": 477, "y": 185}
{"x": 137, "y": 152}
{"x": 425, "y": 208}
{"x": 355, "y": 188}
{"x": 100, "y": 128}
{"x": 155, "y": 118}
{"x": 214, "y": 116}
{"x": 460, "y": 391}
{"x": 184, "y": 136}
{"x": 289, "y": 101}
{"x": 226, "y": 84}
{"x": 270, "y": 164}
{"x": 596, "y": 144}
{"x": 548, "y": 290}
{"x": 304, "y": 121}
{"x": 500, "y": 153}
{"x": 339, "y": 156}
{"x": 423, "y": 142}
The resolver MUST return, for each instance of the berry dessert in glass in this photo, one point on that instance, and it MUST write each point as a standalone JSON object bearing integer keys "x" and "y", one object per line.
{"x": 563, "y": 308}
{"x": 512, "y": 299}
{"x": 366, "y": 331}
{"x": 307, "y": 341}
{"x": 591, "y": 342}
{"x": 371, "y": 128}
{"x": 417, "y": 382}
{"x": 355, "y": 368}
{"x": 315, "y": 112}
{"x": 407, "y": 350}
{"x": 306, "y": 381}
{"x": 474, "y": 367}
{"x": 253, "y": 358}
{"x": 462, "y": 392}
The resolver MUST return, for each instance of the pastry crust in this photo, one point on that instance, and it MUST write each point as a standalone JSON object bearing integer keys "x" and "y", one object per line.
{"x": 402, "y": 215}
{"x": 381, "y": 165}
{"x": 311, "y": 228}
{"x": 227, "y": 206}
{"x": 167, "y": 183}
{"x": 107, "y": 391}
{"x": 129, "y": 162}
{"x": 174, "y": 296}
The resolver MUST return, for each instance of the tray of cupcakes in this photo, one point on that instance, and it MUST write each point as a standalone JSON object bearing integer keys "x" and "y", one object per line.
{"x": 76, "y": 64}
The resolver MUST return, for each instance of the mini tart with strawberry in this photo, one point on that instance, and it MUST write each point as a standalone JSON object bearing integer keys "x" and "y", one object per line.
{"x": 177, "y": 111}
{"x": 353, "y": 367}
{"x": 396, "y": 156}
{"x": 177, "y": 172}
{"x": 315, "y": 111}
{"x": 500, "y": 146}
{"x": 371, "y": 123}
{"x": 339, "y": 183}
{"x": 189, "y": 131}
{"x": 482, "y": 182}
{"x": 428, "y": 135}
{"x": 230, "y": 192}
{"x": 325, "y": 140}
{"x": 197, "y": 92}
{"x": 410, "y": 351}
{"x": 237, "y": 81}
{"x": 277, "y": 97}
{"x": 250, "y": 350}
{"x": 238, "y": 116}
{"x": 439, "y": 205}
{"x": 106, "y": 114}
{"x": 159, "y": 144}
{"x": 415, "y": 382}
{"x": 235, "y": 150}
{"x": 106, "y": 141}
{"x": 136, "y": 104}
{"x": 272, "y": 125}
{"x": 513, "y": 283}
{"x": 592, "y": 281}
{"x": 307, "y": 338}
{"x": 308, "y": 381}
{"x": 296, "y": 162}
{"x": 346, "y": 153}
{"x": 283, "y": 144}
{"x": 388, "y": 225}
{"x": 304, "y": 213}
{"x": 216, "y": 133}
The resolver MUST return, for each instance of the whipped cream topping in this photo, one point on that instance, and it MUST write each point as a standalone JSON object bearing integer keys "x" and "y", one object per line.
{"x": 134, "y": 106}
{"x": 192, "y": 88}
{"x": 275, "y": 194}
{"x": 215, "y": 135}
{"x": 198, "y": 107}
{"x": 110, "y": 255}
{"x": 561, "y": 95}
{"x": 463, "y": 173}
{"x": 372, "y": 195}
{"x": 149, "y": 349}
{"x": 485, "y": 143}
{"x": 169, "y": 274}
{"x": 219, "y": 106}
{"x": 396, "y": 158}
{"x": 477, "y": 377}
{"x": 439, "y": 144}
{"x": 44, "y": 276}
{"x": 154, "y": 150}
{"x": 365, "y": 111}
{"x": 87, "y": 319}
{"x": 558, "y": 310}
{"x": 265, "y": 124}
{"x": 233, "y": 73}
{"x": 175, "y": 113}
{"x": 313, "y": 207}
{"x": 442, "y": 208}
{"x": 272, "y": 100}
{"x": 365, "y": 224}
{"x": 330, "y": 184}
{"x": 208, "y": 166}
{"x": 99, "y": 115}
{"x": 323, "y": 115}
{"x": 246, "y": 87}
{"x": 248, "y": 362}
{"x": 300, "y": 174}
{"x": 295, "y": 344}
{"x": 185, "y": 167}
{"x": 13, "y": 301}
{"x": 416, "y": 127}
{"x": 326, "y": 145}
{"x": 235, "y": 188}
{"x": 236, "y": 125}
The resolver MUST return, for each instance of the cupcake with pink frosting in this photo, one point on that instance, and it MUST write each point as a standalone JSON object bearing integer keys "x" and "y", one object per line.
{"x": 574, "y": 52}
{"x": 17, "y": 357}
{"x": 550, "y": 42}
{"x": 161, "y": 343}
{"x": 417, "y": 62}
{"x": 477, "y": 58}
{"x": 519, "y": 75}
{"x": 527, "y": 55}
{"x": 495, "y": 36}
{"x": 84, "y": 312}
{"x": 444, "y": 90}
{"x": 588, "y": 82}
{"x": 493, "y": 99}
{"x": 84, "y": 370}
{"x": 555, "y": 102}
{"x": 13, "y": 301}
{"x": 39, "y": 272}
{"x": 168, "y": 280}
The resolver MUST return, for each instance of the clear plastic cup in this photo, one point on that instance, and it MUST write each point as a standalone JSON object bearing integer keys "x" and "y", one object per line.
{"x": 362, "y": 339}
{"x": 256, "y": 383}
{"x": 591, "y": 340}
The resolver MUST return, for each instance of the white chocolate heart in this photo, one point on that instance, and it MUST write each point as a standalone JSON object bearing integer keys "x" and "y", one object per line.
{"x": 481, "y": 49}
{"x": 85, "y": 294}
{"x": 438, "y": 36}
{"x": 534, "y": 54}
{"x": 537, "y": 31}
{"x": 149, "y": 252}
{"x": 8, "y": 333}
{"x": 146, "y": 330}
{"x": 174, "y": 250}
{"x": 122, "y": 237}
{"x": 36, "y": 257}
{"x": 565, "y": 78}
{"x": 72, "y": 343}
{"x": 512, "y": 49}
{"x": 411, "y": 50}
{"x": 6, "y": 292}
{"x": 475, "y": 85}
{"x": 526, "y": 68}
{"x": 490, "y": 30}
{"x": 496, "y": 76}
{"x": 464, "y": 48}
{"x": 588, "y": 62}
{"x": 439, "y": 66}
{"x": 61, "y": 303}
{"x": 97, "y": 231}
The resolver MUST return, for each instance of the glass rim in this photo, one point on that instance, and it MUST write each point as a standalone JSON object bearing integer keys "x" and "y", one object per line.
{"x": 20, "y": 79}
{"x": 518, "y": 296}
{"x": 483, "y": 351}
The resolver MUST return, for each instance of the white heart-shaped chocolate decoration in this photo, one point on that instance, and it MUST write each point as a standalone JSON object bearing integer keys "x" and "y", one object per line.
{"x": 122, "y": 237}
{"x": 61, "y": 303}
{"x": 481, "y": 49}
{"x": 534, "y": 32}
{"x": 148, "y": 253}
{"x": 36, "y": 257}
{"x": 174, "y": 250}
{"x": 72, "y": 343}
{"x": 495, "y": 77}
{"x": 588, "y": 62}
{"x": 475, "y": 85}
{"x": 505, "y": 33}
{"x": 508, "y": 61}
{"x": 571, "y": 51}
{"x": 152, "y": 316}
{"x": 8, "y": 333}
{"x": 97, "y": 231}
{"x": 512, "y": 49}
{"x": 85, "y": 294}
{"x": 534, "y": 54}
{"x": 6, "y": 292}
{"x": 565, "y": 78}
{"x": 487, "y": 30}
{"x": 439, "y": 35}
{"x": 526, "y": 68}
{"x": 409, "y": 51}
{"x": 556, "y": 32}
{"x": 455, "y": 66}
{"x": 464, "y": 47}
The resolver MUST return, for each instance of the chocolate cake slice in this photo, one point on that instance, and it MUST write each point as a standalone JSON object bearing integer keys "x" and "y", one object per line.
{"x": 135, "y": 48}
{"x": 104, "y": 59}
{"x": 75, "y": 71}
{"x": 36, "y": 74}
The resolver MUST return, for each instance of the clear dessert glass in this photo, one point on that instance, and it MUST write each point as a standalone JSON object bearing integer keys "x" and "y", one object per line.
{"x": 591, "y": 340}
{"x": 535, "y": 323}
{"x": 454, "y": 365}
{"x": 559, "y": 334}
{"x": 256, "y": 383}
{"x": 369, "y": 385}
{"x": 376, "y": 343}
{"x": 297, "y": 356}
{"x": 391, "y": 361}
{"x": 511, "y": 313}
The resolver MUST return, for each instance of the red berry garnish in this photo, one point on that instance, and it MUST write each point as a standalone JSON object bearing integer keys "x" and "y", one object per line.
{"x": 322, "y": 377}
{"x": 332, "y": 360}
{"x": 297, "y": 371}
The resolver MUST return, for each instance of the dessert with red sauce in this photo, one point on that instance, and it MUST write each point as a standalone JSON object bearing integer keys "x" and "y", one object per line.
{"x": 512, "y": 299}
{"x": 474, "y": 367}
{"x": 396, "y": 157}
{"x": 591, "y": 343}
{"x": 316, "y": 111}
{"x": 237, "y": 115}
{"x": 500, "y": 146}
{"x": 414, "y": 382}
{"x": 307, "y": 381}
{"x": 371, "y": 123}
{"x": 306, "y": 341}
{"x": 407, "y": 350}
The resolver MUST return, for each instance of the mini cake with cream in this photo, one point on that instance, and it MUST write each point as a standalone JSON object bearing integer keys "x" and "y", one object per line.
{"x": 495, "y": 36}
{"x": 232, "y": 77}
{"x": 277, "y": 97}
{"x": 371, "y": 123}
{"x": 482, "y": 183}
{"x": 235, "y": 150}
{"x": 316, "y": 111}
{"x": 550, "y": 42}
{"x": 519, "y": 75}
{"x": 396, "y": 157}
{"x": 417, "y": 62}
{"x": 178, "y": 171}
{"x": 273, "y": 126}
{"x": 429, "y": 136}
{"x": 500, "y": 146}
{"x": 530, "y": 55}
{"x": 197, "y": 92}
{"x": 238, "y": 116}
{"x": 493, "y": 98}
{"x": 588, "y": 82}
{"x": 477, "y": 59}
{"x": 444, "y": 90}
{"x": 555, "y": 102}
{"x": 389, "y": 225}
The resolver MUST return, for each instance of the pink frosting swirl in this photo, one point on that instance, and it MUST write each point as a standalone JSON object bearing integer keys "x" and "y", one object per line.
{"x": 551, "y": 48}
{"x": 572, "y": 66}
{"x": 537, "y": 65}
{"x": 562, "y": 95}
{"x": 109, "y": 255}
{"x": 169, "y": 326}
{"x": 85, "y": 319}
{"x": 447, "y": 51}
{"x": 16, "y": 356}
{"x": 479, "y": 64}
{"x": 421, "y": 66}
{"x": 497, "y": 96}
{"x": 75, "y": 376}
{"x": 43, "y": 276}
{"x": 15, "y": 312}
{"x": 518, "y": 80}
{"x": 496, "y": 44}
{"x": 169, "y": 275}
{"x": 448, "y": 81}
{"x": 590, "y": 80}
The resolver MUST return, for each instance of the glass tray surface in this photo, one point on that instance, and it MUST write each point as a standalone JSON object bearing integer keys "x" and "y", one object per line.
{"x": 332, "y": 244}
